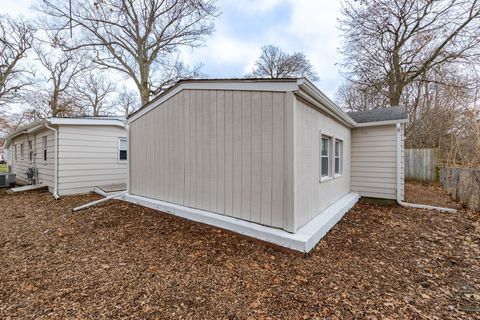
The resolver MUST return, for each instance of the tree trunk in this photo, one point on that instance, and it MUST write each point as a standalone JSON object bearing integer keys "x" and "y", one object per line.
{"x": 144, "y": 83}
{"x": 395, "y": 83}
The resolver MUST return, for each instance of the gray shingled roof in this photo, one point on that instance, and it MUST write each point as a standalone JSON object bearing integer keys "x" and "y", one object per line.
{"x": 383, "y": 114}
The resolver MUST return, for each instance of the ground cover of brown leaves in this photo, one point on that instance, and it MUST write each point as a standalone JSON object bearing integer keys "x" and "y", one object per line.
{"x": 119, "y": 261}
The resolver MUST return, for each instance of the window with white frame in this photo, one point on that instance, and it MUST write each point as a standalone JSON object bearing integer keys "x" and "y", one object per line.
{"x": 21, "y": 151}
{"x": 44, "y": 148}
{"x": 325, "y": 156}
{"x": 122, "y": 149}
{"x": 16, "y": 153}
{"x": 30, "y": 151}
{"x": 338, "y": 157}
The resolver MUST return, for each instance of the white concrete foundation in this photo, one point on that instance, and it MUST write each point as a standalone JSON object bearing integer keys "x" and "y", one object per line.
{"x": 303, "y": 240}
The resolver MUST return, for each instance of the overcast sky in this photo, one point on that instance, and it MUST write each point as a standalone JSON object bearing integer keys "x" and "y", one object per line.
{"x": 309, "y": 26}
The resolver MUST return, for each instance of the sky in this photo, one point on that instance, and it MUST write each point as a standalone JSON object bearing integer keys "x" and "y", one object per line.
{"x": 244, "y": 26}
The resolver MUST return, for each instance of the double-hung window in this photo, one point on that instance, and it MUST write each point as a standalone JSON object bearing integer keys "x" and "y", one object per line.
{"x": 325, "y": 157}
{"x": 338, "y": 157}
{"x": 21, "y": 151}
{"x": 44, "y": 149}
{"x": 30, "y": 151}
{"x": 122, "y": 149}
{"x": 16, "y": 152}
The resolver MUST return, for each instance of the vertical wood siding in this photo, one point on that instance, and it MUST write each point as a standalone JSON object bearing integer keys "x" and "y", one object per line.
{"x": 45, "y": 169}
{"x": 374, "y": 166}
{"x": 215, "y": 150}
{"x": 311, "y": 195}
{"x": 88, "y": 157}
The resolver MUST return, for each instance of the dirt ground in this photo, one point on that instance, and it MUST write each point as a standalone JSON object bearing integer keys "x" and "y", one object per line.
{"x": 119, "y": 261}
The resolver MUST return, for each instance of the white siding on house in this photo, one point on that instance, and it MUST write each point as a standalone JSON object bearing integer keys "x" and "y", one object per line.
{"x": 216, "y": 150}
{"x": 374, "y": 166}
{"x": 311, "y": 195}
{"x": 45, "y": 168}
{"x": 89, "y": 157}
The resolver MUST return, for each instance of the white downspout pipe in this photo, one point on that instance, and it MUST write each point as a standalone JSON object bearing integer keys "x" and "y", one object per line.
{"x": 94, "y": 203}
{"x": 399, "y": 180}
{"x": 127, "y": 127}
{"x": 55, "y": 168}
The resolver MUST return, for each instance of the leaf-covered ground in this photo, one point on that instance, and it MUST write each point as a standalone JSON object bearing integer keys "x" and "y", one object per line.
{"x": 120, "y": 260}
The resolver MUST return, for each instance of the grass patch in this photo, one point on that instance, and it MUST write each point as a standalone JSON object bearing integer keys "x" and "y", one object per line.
{"x": 3, "y": 168}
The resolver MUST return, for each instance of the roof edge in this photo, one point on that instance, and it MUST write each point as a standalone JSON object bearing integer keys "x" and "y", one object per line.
{"x": 39, "y": 124}
{"x": 278, "y": 85}
{"x": 381, "y": 123}
{"x": 310, "y": 89}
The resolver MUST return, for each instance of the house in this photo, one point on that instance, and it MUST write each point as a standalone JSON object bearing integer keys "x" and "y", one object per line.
{"x": 70, "y": 155}
{"x": 271, "y": 159}
{"x": 3, "y": 154}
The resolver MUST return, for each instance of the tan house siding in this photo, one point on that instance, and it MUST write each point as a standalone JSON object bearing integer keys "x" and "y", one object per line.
{"x": 374, "y": 167}
{"x": 216, "y": 150}
{"x": 22, "y": 163}
{"x": 88, "y": 157}
{"x": 311, "y": 195}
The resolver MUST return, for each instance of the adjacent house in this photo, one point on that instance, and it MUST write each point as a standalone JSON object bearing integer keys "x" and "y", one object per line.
{"x": 3, "y": 154}
{"x": 271, "y": 159}
{"x": 70, "y": 155}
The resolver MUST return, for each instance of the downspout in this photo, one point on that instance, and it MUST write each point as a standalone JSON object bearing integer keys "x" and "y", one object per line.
{"x": 127, "y": 127}
{"x": 55, "y": 168}
{"x": 399, "y": 180}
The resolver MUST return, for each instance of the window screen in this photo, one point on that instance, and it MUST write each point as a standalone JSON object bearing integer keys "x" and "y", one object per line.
{"x": 122, "y": 149}
{"x": 30, "y": 151}
{"x": 338, "y": 156}
{"x": 44, "y": 147}
{"x": 325, "y": 156}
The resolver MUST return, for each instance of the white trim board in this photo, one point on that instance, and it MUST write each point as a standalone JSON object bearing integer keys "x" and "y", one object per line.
{"x": 381, "y": 123}
{"x": 303, "y": 240}
{"x": 246, "y": 85}
{"x": 87, "y": 122}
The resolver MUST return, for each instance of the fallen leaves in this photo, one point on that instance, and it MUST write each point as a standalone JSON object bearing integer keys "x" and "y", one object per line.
{"x": 118, "y": 260}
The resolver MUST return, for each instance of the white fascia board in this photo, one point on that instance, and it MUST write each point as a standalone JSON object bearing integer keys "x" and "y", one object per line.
{"x": 320, "y": 100}
{"x": 86, "y": 122}
{"x": 382, "y": 123}
{"x": 25, "y": 130}
{"x": 243, "y": 85}
{"x": 303, "y": 240}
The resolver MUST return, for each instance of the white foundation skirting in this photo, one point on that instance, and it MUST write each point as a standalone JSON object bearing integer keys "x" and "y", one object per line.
{"x": 303, "y": 240}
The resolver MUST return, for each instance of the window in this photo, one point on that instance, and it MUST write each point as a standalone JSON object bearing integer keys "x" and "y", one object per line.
{"x": 16, "y": 153}
{"x": 44, "y": 148}
{"x": 21, "y": 151}
{"x": 325, "y": 161}
{"x": 30, "y": 151}
{"x": 338, "y": 157}
{"x": 122, "y": 149}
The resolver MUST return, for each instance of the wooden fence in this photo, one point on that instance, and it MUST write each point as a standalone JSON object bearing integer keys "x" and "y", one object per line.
{"x": 463, "y": 184}
{"x": 421, "y": 164}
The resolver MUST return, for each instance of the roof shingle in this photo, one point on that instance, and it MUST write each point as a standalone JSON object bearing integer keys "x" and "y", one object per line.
{"x": 382, "y": 114}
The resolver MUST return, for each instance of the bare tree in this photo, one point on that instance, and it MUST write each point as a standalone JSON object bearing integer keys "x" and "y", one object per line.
{"x": 127, "y": 101}
{"x": 95, "y": 93}
{"x": 137, "y": 38}
{"x": 273, "y": 63}
{"x": 16, "y": 38}
{"x": 390, "y": 44}
{"x": 357, "y": 97}
{"x": 57, "y": 97}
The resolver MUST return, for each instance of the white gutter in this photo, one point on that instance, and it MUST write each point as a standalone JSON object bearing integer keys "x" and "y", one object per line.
{"x": 55, "y": 168}
{"x": 381, "y": 123}
{"x": 87, "y": 121}
{"x": 399, "y": 180}
{"x": 127, "y": 127}
{"x": 318, "y": 96}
